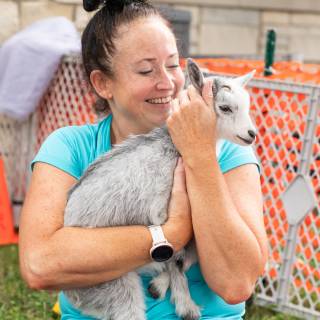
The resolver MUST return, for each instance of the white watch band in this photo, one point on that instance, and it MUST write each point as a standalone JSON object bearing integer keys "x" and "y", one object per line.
{"x": 157, "y": 234}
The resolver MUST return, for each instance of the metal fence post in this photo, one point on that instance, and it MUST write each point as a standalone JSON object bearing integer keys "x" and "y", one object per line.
{"x": 300, "y": 186}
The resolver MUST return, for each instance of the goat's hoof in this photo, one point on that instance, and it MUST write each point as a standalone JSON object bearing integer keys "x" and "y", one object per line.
{"x": 190, "y": 316}
{"x": 153, "y": 291}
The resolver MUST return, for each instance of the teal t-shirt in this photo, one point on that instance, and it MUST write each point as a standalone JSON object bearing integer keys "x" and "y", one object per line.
{"x": 72, "y": 149}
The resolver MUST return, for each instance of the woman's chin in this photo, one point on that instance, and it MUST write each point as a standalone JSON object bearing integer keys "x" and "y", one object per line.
{"x": 157, "y": 114}
{"x": 160, "y": 114}
{"x": 160, "y": 107}
{"x": 158, "y": 121}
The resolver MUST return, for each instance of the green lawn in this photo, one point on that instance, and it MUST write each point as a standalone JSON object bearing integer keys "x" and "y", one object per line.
{"x": 17, "y": 302}
{"x": 259, "y": 313}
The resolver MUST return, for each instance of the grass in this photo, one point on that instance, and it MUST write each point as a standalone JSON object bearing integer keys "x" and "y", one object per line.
{"x": 17, "y": 302}
{"x": 254, "y": 312}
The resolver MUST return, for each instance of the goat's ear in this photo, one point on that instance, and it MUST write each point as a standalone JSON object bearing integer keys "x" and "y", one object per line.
{"x": 243, "y": 80}
{"x": 195, "y": 75}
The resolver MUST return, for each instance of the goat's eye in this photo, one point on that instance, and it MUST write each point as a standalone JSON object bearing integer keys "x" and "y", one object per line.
{"x": 226, "y": 87}
{"x": 225, "y": 109}
{"x": 174, "y": 66}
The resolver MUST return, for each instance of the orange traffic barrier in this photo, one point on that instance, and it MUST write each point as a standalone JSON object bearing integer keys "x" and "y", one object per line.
{"x": 7, "y": 234}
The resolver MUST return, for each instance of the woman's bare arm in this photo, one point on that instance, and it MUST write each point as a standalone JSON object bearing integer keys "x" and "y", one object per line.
{"x": 57, "y": 257}
{"x": 228, "y": 227}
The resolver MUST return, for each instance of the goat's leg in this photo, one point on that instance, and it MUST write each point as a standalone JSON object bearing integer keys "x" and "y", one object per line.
{"x": 180, "y": 294}
{"x": 159, "y": 285}
{"x": 190, "y": 256}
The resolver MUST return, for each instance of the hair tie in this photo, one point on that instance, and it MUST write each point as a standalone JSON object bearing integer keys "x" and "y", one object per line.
{"x": 91, "y": 5}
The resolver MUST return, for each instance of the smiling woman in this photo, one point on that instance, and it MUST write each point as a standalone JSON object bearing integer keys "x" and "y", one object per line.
{"x": 146, "y": 76}
{"x": 131, "y": 60}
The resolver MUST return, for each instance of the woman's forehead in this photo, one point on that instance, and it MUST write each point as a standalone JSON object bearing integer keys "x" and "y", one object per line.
{"x": 145, "y": 39}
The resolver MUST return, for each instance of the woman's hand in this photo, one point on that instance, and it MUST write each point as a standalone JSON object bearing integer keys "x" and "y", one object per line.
{"x": 178, "y": 228}
{"x": 192, "y": 124}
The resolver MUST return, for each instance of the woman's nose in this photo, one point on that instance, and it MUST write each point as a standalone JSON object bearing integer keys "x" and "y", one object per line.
{"x": 165, "y": 81}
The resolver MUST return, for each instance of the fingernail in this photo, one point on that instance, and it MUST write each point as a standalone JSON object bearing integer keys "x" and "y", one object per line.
{"x": 210, "y": 93}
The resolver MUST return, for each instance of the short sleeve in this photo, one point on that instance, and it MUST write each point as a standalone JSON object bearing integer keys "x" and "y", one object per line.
{"x": 60, "y": 150}
{"x": 233, "y": 155}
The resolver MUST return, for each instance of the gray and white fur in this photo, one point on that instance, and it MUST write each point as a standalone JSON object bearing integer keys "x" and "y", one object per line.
{"x": 131, "y": 185}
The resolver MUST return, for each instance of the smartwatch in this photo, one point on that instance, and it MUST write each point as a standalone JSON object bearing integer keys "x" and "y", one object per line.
{"x": 161, "y": 249}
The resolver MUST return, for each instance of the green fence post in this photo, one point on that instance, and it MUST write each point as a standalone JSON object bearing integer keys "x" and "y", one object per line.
{"x": 269, "y": 54}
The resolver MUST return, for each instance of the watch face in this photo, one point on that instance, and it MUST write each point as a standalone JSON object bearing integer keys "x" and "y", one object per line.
{"x": 162, "y": 253}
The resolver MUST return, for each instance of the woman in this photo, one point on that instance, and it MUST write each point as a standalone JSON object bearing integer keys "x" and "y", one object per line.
{"x": 131, "y": 59}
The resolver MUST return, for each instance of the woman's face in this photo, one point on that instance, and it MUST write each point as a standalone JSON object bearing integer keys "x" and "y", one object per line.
{"x": 147, "y": 75}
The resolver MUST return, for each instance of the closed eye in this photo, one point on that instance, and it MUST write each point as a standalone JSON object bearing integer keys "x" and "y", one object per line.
{"x": 145, "y": 72}
{"x": 225, "y": 109}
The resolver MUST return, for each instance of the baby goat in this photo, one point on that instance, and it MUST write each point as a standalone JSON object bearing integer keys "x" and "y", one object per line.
{"x": 128, "y": 186}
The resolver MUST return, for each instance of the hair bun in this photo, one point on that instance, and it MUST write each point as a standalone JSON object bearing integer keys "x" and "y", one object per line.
{"x": 91, "y": 5}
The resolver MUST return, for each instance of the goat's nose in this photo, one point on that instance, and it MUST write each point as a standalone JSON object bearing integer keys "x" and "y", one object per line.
{"x": 252, "y": 134}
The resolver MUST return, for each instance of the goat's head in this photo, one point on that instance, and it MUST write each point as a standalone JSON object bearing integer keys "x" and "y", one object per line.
{"x": 232, "y": 104}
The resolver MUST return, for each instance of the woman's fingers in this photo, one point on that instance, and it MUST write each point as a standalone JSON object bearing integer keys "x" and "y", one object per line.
{"x": 184, "y": 98}
{"x": 179, "y": 181}
{"x": 174, "y": 105}
{"x": 207, "y": 94}
{"x": 179, "y": 211}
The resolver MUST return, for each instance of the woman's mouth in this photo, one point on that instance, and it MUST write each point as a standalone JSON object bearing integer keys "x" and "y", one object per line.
{"x": 160, "y": 101}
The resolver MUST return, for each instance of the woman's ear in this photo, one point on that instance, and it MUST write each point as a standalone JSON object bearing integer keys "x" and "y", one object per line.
{"x": 101, "y": 84}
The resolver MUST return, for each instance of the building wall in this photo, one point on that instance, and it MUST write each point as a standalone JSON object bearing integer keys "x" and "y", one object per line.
{"x": 218, "y": 27}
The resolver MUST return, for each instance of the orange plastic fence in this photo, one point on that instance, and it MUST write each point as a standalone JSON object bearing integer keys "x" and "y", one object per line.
{"x": 283, "y": 70}
{"x": 68, "y": 101}
{"x": 7, "y": 234}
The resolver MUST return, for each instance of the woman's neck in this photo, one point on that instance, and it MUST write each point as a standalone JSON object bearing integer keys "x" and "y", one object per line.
{"x": 117, "y": 136}
{"x": 121, "y": 129}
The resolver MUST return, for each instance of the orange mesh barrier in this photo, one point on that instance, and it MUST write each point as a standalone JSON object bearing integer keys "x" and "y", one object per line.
{"x": 68, "y": 101}
{"x": 283, "y": 70}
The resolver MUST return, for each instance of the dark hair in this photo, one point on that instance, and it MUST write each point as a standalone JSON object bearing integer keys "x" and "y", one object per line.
{"x": 98, "y": 37}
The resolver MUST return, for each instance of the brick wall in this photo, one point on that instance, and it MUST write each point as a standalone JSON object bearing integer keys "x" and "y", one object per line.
{"x": 218, "y": 27}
